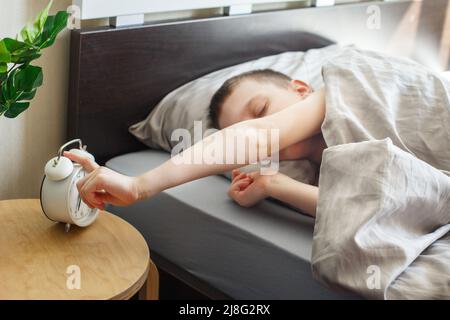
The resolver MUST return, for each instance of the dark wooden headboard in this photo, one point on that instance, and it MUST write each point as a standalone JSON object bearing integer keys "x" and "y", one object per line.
{"x": 118, "y": 75}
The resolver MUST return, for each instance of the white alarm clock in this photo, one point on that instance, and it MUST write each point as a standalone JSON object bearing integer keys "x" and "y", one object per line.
{"x": 60, "y": 200}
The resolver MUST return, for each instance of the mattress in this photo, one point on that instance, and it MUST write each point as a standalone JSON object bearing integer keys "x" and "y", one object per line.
{"x": 262, "y": 252}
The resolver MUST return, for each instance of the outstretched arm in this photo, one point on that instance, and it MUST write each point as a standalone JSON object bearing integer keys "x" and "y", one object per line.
{"x": 295, "y": 123}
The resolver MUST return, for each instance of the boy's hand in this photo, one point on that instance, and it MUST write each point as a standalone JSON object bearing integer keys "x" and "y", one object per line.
{"x": 102, "y": 185}
{"x": 247, "y": 189}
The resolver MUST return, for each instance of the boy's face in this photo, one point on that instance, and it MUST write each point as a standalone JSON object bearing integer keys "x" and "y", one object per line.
{"x": 251, "y": 99}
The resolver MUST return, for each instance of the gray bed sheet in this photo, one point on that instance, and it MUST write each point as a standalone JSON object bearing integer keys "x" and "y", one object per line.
{"x": 262, "y": 252}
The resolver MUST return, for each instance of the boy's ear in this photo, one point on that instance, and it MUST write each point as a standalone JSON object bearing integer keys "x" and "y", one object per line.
{"x": 302, "y": 88}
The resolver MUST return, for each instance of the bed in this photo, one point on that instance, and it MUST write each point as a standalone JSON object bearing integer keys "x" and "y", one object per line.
{"x": 199, "y": 229}
{"x": 195, "y": 233}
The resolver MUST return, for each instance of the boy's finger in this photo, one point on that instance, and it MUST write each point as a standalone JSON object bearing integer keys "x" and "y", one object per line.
{"x": 238, "y": 175}
{"x": 81, "y": 186}
{"x": 89, "y": 189}
{"x": 86, "y": 163}
{"x": 242, "y": 184}
{"x": 234, "y": 173}
{"x": 85, "y": 179}
{"x": 237, "y": 183}
{"x": 98, "y": 201}
{"x": 241, "y": 176}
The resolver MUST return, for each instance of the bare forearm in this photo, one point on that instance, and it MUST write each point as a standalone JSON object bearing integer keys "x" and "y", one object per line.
{"x": 294, "y": 193}
{"x": 191, "y": 165}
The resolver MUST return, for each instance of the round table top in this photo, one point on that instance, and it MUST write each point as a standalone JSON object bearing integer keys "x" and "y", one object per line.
{"x": 39, "y": 260}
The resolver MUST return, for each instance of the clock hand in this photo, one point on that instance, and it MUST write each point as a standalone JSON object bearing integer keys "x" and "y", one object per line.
{"x": 79, "y": 197}
{"x": 79, "y": 203}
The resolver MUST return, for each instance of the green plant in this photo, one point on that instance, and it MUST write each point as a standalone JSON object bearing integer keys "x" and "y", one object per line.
{"x": 19, "y": 80}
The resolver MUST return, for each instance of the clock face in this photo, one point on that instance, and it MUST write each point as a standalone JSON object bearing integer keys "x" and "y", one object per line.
{"x": 79, "y": 211}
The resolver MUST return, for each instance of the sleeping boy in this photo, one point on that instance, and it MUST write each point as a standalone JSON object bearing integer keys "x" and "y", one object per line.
{"x": 253, "y": 95}
{"x": 249, "y": 102}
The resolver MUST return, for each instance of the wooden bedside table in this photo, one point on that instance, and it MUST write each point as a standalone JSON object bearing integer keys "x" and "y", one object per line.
{"x": 38, "y": 260}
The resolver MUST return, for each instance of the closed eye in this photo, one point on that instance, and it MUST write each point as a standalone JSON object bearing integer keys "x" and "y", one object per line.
{"x": 262, "y": 110}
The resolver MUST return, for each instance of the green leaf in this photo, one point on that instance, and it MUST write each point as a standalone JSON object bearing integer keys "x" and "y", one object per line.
{"x": 21, "y": 52}
{"x": 14, "y": 45}
{"x": 25, "y": 57}
{"x": 53, "y": 26}
{"x": 3, "y": 90}
{"x": 5, "y": 55}
{"x": 3, "y": 96}
{"x": 3, "y": 106}
{"x": 2, "y": 100}
{"x": 42, "y": 17}
{"x": 24, "y": 34}
{"x": 3, "y": 75}
{"x": 30, "y": 33}
{"x": 21, "y": 84}
{"x": 16, "y": 108}
{"x": 28, "y": 95}
{"x": 10, "y": 90}
{"x": 3, "y": 70}
{"x": 28, "y": 78}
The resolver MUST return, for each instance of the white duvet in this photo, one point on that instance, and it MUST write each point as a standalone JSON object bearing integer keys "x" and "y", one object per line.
{"x": 383, "y": 215}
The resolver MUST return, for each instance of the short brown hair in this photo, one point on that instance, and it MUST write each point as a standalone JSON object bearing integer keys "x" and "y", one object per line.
{"x": 263, "y": 75}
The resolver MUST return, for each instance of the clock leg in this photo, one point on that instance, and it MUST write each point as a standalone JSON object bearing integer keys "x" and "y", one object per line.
{"x": 67, "y": 227}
